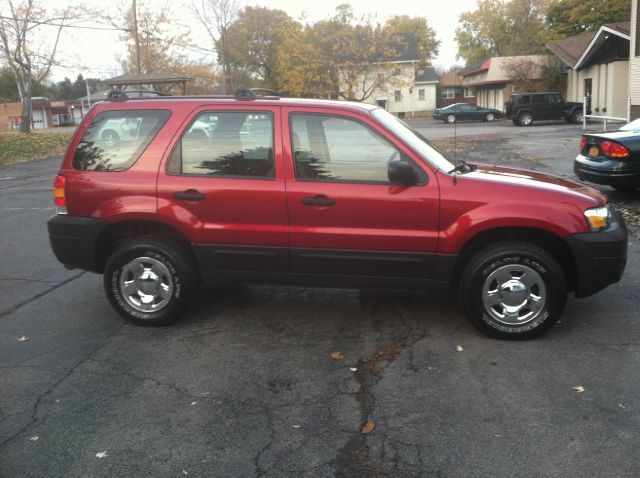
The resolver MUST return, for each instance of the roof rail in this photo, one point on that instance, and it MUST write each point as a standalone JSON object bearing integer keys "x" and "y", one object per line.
{"x": 124, "y": 95}
{"x": 244, "y": 94}
{"x": 255, "y": 93}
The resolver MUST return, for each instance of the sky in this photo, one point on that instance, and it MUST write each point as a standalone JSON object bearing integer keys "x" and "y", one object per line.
{"x": 94, "y": 53}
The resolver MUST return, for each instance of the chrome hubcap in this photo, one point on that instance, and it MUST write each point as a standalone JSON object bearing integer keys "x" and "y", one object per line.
{"x": 514, "y": 294}
{"x": 146, "y": 284}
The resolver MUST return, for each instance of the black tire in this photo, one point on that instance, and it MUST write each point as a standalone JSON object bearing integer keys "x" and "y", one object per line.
{"x": 525, "y": 119}
{"x": 576, "y": 117}
{"x": 483, "y": 274}
{"x": 110, "y": 137}
{"x": 515, "y": 122}
{"x": 170, "y": 278}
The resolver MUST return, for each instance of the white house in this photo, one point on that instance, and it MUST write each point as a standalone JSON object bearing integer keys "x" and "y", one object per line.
{"x": 598, "y": 68}
{"x": 403, "y": 86}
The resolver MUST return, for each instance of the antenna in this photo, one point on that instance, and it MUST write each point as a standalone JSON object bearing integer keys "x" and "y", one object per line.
{"x": 455, "y": 123}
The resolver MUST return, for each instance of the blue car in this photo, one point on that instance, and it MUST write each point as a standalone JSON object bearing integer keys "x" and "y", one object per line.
{"x": 464, "y": 111}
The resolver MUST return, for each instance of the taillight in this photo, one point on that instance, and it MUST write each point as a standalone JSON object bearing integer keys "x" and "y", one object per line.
{"x": 614, "y": 150}
{"x": 60, "y": 194}
{"x": 583, "y": 143}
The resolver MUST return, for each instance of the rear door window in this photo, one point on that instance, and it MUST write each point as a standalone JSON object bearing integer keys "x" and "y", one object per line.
{"x": 116, "y": 139}
{"x": 524, "y": 100}
{"x": 539, "y": 99}
{"x": 232, "y": 144}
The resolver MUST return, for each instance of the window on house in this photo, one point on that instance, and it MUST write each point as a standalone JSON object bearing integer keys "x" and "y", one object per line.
{"x": 410, "y": 90}
{"x": 469, "y": 92}
{"x": 380, "y": 78}
{"x": 448, "y": 92}
{"x": 398, "y": 95}
{"x": 421, "y": 94}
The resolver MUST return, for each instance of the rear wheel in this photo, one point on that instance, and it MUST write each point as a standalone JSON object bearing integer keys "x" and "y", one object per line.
{"x": 490, "y": 117}
{"x": 150, "y": 280}
{"x": 451, "y": 118}
{"x": 525, "y": 119}
{"x": 513, "y": 290}
{"x": 577, "y": 117}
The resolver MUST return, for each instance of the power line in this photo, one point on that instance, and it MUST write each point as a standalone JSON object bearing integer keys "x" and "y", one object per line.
{"x": 69, "y": 25}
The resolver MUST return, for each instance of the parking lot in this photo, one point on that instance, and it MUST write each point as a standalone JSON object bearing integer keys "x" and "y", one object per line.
{"x": 246, "y": 384}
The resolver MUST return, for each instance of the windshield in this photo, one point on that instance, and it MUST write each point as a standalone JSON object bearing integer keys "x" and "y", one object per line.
{"x": 415, "y": 140}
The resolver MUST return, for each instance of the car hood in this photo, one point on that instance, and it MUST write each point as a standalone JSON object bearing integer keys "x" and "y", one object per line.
{"x": 536, "y": 180}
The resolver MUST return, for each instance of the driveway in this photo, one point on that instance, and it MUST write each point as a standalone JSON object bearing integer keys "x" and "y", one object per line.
{"x": 246, "y": 384}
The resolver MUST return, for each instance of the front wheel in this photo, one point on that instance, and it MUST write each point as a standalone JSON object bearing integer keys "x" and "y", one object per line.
{"x": 150, "y": 280}
{"x": 513, "y": 290}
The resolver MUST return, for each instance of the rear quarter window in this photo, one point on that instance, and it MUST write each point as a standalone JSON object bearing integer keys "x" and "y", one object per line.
{"x": 116, "y": 139}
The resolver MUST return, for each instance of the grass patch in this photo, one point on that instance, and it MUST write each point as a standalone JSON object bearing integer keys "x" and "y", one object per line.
{"x": 18, "y": 147}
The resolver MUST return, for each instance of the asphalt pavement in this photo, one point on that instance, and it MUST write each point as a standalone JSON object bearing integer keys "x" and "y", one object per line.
{"x": 245, "y": 385}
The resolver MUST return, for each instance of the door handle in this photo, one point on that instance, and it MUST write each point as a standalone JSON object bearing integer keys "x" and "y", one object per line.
{"x": 189, "y": 195}
{"x": 318, "y": 200}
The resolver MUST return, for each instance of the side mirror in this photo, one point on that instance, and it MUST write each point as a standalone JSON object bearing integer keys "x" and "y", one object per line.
{"x": 402, "y": 172}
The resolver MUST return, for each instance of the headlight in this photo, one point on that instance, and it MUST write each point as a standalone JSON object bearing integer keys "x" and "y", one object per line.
{"x": 599, "y": 218}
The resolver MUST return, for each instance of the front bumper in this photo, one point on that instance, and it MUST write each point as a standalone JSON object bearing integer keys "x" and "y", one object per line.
{"x": 73, "y": 240}
{"x": 611, "y": 172}
{"x": 600, "y": 257}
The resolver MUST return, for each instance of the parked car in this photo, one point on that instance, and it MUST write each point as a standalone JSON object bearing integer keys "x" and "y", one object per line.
{"x": 525, "y": 108}
{"x": 318, "y": 192}
{"x": 611, "y": 158}
{"x": 464, "y": 111}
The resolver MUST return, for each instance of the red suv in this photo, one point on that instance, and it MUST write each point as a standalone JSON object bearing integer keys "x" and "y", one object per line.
{"x": 314, "y": 192}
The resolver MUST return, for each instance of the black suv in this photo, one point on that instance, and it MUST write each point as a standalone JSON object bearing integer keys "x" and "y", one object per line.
{"x": 525, "y": 108}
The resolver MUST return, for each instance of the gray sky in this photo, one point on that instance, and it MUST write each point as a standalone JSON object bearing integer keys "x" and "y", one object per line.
{"x": 94, "y": 53}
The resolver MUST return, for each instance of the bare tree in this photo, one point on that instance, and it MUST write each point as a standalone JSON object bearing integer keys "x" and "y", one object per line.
{"x": 24, "y": 52}
{"x": 217, "y": 16}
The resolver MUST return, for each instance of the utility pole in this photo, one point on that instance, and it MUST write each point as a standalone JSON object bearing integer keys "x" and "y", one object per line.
{"x": 135, "y": 35}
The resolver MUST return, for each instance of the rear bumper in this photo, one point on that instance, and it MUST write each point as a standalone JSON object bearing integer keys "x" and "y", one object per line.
{"x": 73, "y": 240}
{"x": 610, "y": 172}
{"x": 600, "y": 257}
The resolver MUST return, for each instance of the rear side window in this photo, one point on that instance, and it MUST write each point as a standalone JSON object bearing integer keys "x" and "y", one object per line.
{"x": 115, "y": 139}
{"x": 524, "y": 100}
{"x": 539, "y": 99}
{"x": 233, "y": 144}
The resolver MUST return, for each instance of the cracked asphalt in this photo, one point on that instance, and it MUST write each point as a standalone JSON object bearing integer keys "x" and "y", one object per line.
{"x": 244, "y": 385}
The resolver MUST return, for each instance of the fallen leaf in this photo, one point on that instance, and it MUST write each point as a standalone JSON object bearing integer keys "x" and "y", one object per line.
{"x": 24, "y": 338}
{"x": 336, "y": 356}
{"x": 459, "y": 348}
{"x": 57, "y": 400}
{"x": 193, "y": 403}
{"x": 296, "y": 426}
{"x": 621, "y": 406}
{"x": 101, "y": 454}
{"x": 185, "y": 472}
{"x": 353, "y": 369}
{"x": 368, "y": 427}
{"x": 34, "y": 438}
{"x": 579, "y": 389}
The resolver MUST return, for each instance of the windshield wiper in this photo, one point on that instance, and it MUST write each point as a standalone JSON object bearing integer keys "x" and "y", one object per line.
{"x": 463, "y": 167}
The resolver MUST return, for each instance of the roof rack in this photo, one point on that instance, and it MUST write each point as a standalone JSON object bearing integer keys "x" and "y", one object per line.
{"x": 124, "y": 95}
{"x": 245, "y": 94}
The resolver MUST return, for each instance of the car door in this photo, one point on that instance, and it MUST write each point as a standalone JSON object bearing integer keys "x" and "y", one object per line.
{"x": 346, "y": 217}
{"x": 223, "y": 186}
